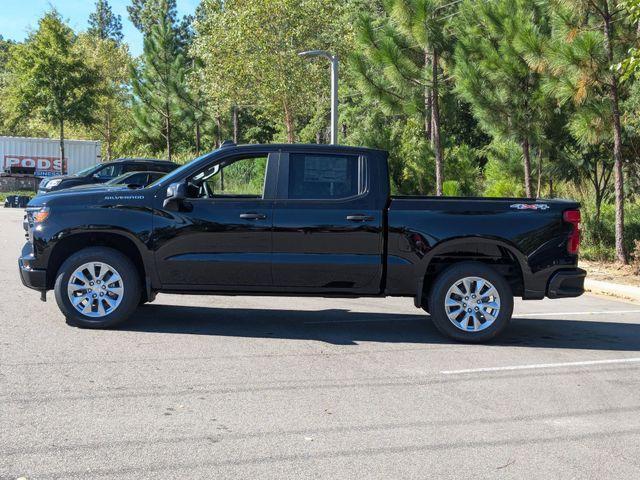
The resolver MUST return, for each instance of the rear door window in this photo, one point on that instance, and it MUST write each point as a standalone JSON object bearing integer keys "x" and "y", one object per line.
{"x": 331, "y": 177}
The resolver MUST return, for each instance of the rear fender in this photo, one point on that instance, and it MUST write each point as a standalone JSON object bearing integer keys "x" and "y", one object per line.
{"x": 469, "y": 245}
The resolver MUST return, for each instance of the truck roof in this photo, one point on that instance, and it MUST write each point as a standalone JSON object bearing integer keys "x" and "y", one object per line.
{"x": 320, "y": 147}
{"x": 141, "y": 160}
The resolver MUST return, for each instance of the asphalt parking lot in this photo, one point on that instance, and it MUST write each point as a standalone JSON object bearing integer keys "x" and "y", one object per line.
{"x": 235, "y": 387}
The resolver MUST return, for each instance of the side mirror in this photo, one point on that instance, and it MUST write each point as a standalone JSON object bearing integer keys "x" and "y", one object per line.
{"x": 176, "y": 194}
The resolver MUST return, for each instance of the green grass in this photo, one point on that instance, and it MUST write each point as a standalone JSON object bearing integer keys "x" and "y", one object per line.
{"x": 4, "y": 195}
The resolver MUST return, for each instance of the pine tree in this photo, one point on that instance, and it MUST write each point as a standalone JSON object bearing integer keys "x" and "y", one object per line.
{"x": 104, "y": 24}
{"x": 144, "y": 14}
{"x": 400, "y": 64}
{"x": 159, "y": 85}
{"x": 589, "y": 39}
{"x": 493, "y": 75}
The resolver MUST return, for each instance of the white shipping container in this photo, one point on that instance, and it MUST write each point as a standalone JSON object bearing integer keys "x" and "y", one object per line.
{"x": 44, "y": 155}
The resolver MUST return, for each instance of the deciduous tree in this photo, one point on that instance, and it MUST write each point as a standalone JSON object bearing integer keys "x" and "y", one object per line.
{"x": 49, "y": 79}
{"x": 250, "y": 48}
{"x": 110, "y": 60}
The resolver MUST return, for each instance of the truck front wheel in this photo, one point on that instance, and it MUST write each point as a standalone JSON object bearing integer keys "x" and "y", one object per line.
{"x": 97, "y": 287}
{"x": 471, "y": 302}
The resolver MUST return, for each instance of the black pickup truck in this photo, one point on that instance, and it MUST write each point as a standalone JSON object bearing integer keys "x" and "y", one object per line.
{"x": 311, "y": 220}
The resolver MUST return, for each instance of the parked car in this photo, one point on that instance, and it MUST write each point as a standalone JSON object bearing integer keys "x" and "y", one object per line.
{"x": 130, "y": 180}
{"x": 314, "y": 220}
{"x": 103, "y": 172}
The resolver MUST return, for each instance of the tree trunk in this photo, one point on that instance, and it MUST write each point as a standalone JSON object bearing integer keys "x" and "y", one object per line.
{"x": 539, "y": 188}
{"x": 168, "y": 137}
{"x": 435, "y": 123}
{"x": 108, "y": 137}
{"x": 527, "y": 167}
{"x": 621, "y": 253}
{"x": 219, "y": 143}
{"x": 289, "y": 123}
{"x": 598, "y": 202}
{"x": 427, "y": 102}
{"x": 235, "y": 124}
{"x": 197, "y": 139}
{"x": 550, "y": 187}
{"x": 219, "y": 133}
{"x": 62, "y": 162}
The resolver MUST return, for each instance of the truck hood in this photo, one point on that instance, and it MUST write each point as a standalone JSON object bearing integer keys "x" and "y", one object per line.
{"x": 65, "y": 179}
{"x": 86, "y": 195}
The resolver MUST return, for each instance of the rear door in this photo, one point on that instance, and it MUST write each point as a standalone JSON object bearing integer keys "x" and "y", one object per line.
{"x": 328, "y": 224}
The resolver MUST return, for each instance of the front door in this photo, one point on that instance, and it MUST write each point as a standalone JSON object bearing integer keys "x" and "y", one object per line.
{"x": 328, "y": 228}
{"x": 222, "y": 237}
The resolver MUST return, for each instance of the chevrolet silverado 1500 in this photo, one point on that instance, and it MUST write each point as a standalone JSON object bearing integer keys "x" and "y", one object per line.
{"x": 312, "y": 220}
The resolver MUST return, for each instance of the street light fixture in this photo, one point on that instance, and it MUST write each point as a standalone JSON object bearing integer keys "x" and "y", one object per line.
{"x": 334, "y": 87}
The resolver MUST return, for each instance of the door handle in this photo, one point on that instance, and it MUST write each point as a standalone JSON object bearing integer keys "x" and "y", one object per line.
{"x": 252, "y": 216}
{"x": 359, "y": 218}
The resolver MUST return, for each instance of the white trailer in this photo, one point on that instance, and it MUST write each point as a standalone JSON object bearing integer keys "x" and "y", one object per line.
{"x": 43, "y": 154}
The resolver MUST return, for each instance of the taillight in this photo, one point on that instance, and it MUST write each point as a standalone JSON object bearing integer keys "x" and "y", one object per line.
{"x": 573, "y": 242}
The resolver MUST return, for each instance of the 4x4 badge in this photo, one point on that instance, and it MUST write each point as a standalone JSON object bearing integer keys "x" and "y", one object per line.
{"x": 530, "y": 206}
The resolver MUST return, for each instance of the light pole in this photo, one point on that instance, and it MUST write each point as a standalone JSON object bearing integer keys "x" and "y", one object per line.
{"x": 334, "y": 88}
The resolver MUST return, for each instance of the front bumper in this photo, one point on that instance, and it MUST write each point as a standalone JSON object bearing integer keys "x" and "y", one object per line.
{"x": 566, "y": 283}
{"x": 31, "y": 277}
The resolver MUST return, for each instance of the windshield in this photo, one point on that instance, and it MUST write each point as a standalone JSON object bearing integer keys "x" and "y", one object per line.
{"x": 88, "y": 171}
{"x": 178, "y": 171}
{"x": 120, "y": 179}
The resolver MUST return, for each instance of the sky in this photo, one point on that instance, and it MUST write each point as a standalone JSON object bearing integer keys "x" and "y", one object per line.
{"x": 19, "y": 17}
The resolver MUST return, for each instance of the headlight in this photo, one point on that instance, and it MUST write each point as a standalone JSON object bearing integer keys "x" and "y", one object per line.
{"x": 54, "y": 183}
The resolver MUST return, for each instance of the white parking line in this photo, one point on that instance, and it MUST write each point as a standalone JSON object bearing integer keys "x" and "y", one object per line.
{"x": 520, "y": 315}
{"x": 542, "y": 365}
{"x": 602, "y": 312}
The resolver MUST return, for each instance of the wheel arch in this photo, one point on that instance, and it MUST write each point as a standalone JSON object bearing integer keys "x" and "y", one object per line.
{"x": 118, "y": 241}
{"x": 506, "y": 258}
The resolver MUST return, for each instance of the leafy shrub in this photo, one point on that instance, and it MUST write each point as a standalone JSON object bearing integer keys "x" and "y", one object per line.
{"x": 451, "y": 188}
{"x": 598, "y": 236}
{"x": 636, "y": 258}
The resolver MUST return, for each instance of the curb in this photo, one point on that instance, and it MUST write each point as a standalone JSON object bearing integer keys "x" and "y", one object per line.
{"x": 626, "y": 292}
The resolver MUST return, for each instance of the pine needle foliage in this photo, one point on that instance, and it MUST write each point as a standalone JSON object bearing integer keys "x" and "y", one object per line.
{"x": 399, "y": 64}
{"x": 495, "y": 73}
{"x": 159, "y": 86}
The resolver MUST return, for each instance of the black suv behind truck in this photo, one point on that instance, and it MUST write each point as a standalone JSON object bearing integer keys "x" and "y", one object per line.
{"x": 103, "y": 172}
{"x": 312, "y": 220}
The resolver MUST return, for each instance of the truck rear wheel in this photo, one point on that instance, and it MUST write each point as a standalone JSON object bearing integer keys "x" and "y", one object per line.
{"x": 97, "y": 287}
{"x": 471, "y": 302}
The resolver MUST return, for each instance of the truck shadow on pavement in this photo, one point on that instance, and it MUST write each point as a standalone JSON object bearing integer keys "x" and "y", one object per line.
{"x": 343, "y": 327}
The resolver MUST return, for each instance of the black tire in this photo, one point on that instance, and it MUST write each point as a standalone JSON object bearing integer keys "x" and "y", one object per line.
{"x": 130, "y": 282}
{"x": 452, "y": 275}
